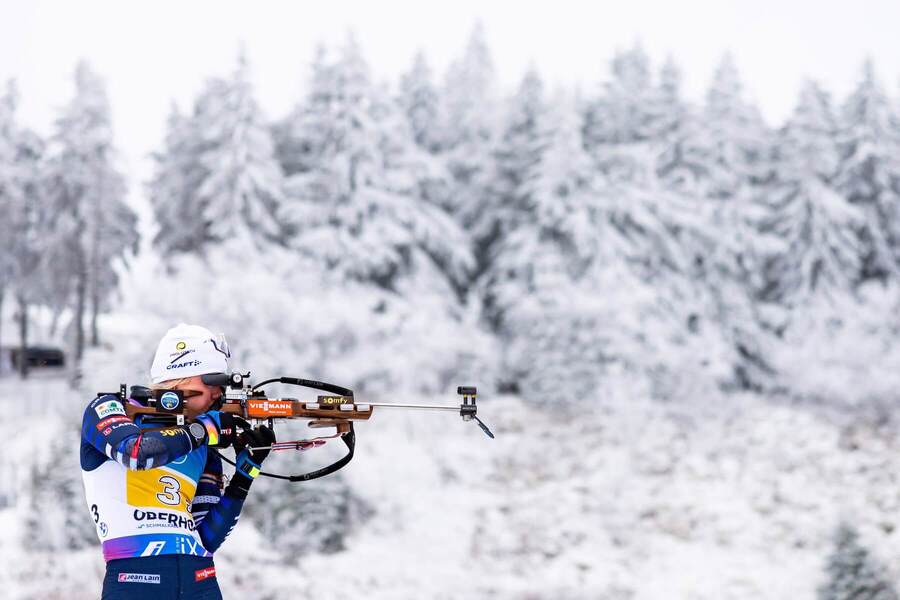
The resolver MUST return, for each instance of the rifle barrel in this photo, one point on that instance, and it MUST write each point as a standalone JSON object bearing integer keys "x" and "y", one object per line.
{"x": 420, "y": 406}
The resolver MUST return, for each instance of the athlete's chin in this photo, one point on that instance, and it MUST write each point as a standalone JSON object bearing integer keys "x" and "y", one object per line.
{"x": 194, "y": 409}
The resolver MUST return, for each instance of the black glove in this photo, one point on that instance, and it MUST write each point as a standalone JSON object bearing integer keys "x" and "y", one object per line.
{"x": 248, "y": 463}
{"x": 261, "y": 437}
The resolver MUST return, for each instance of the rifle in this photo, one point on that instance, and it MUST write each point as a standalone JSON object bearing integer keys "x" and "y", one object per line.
{"x": 251, "y": 407}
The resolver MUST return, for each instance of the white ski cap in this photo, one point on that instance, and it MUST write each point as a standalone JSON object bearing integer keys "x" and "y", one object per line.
{"x": 188, "y": 350}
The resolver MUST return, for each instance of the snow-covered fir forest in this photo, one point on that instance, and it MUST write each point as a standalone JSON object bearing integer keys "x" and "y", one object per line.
{"x": 682, "y": 321}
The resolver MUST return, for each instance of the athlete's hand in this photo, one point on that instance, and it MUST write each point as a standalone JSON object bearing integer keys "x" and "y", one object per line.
{"x": 256, "y": 443}
{"x": 248, "y": 462}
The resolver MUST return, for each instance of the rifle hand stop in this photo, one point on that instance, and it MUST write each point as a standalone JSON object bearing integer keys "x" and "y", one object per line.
{"x": 468, "y": 410}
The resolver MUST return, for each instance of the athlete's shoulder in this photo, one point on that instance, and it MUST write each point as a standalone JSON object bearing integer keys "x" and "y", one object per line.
{"x": 102, "y": 412}
{"x": 105, "y": 405}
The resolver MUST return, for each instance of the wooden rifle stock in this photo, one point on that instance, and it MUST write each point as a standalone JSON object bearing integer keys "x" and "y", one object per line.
{"x": 327, "y": 411}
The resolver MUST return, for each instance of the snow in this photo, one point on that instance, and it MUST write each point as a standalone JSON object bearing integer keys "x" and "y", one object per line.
{"x": 636, "y": 500}
{"x": 668, "y": 426}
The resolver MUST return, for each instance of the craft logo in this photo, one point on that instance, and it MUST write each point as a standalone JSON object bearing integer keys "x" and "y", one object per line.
{"x": 113, "y": 407}
{"x": 204, "y": 573}
{"x": 181, "y": 365}
{"x": 138, "y": 578}
{"x": 169, "y": 400}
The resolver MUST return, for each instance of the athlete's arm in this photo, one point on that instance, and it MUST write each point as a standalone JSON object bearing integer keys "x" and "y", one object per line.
{"x": 216, "y": 515}
{"x": 106, "y": 427}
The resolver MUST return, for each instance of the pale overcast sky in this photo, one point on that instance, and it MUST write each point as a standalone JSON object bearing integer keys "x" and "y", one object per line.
{"x": 151, "y": 53}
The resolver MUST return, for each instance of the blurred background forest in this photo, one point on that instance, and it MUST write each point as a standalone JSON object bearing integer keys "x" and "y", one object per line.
{"x": 682, "y": 320}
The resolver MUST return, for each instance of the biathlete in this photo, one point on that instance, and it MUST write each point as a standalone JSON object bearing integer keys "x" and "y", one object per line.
{"x": 156, "y": 496}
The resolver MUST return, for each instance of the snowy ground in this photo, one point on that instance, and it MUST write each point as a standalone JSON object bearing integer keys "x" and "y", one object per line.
{"x": 734, "y": 499}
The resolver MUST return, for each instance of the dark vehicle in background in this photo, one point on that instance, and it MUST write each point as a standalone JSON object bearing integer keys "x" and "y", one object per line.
{"x": 35, "y": 357}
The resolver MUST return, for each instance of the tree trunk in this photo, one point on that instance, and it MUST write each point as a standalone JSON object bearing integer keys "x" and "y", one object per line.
{"x": 95, "y": 310}
{"x": 23, "y": 337}
{"x": 80, "y": 293}
{"x": 2, "y": 297}
{"x": 80, "y": 305}
{"x": 54, "y": 321}
{"x": 93, "y": 277}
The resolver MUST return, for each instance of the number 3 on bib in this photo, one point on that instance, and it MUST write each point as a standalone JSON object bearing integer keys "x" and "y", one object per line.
{"x": 171, "y": 493}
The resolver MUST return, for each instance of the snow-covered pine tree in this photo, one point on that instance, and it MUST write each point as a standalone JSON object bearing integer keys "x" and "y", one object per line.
{"x": 669, "y": 111}
{"x": 736, "y": 138}
{"x": 578, "y": 281}
{"x": 469, "y": 94}
{"x": 819, "y": 249}
{"x": 684, "y": 219}
{"x": 217, "y": 177}
{"x": 869, "y": 173}
{"x": 53, "y": 504}
{"x": 510, "y": 204}
{"x": 69, "y": 181}
{"x": 418, "y": 99}
{"x": 113, "y": 226}
{"x": 538, "y": 280}
{"x": 679, "y": 164}
{"x": 243, "y": 187}
{"x": 300, "y": 137}
{"x": 469, "y": 126}
{"x": 557, "y": 202}
{"x": 86, "y": 194}
{"x": 734, "y": 146}
{"x": 177, "y": 174}
{"x": 682, "y": 155}
{"x": 33, "y": 275}
{"x": 624, "y": 112}
{"x": 24, "y": 274}
{"x": 660, "y": 232}
{"x": 638, "y": 127}
{"x": 360, "y": 209}
{"x": 313, "y": 518}
{"x": 853, "y": 573}
{"x": 11, "y": 197}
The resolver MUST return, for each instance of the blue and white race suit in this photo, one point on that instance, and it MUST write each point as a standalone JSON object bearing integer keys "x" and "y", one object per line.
{"x": 152, "y": 493}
